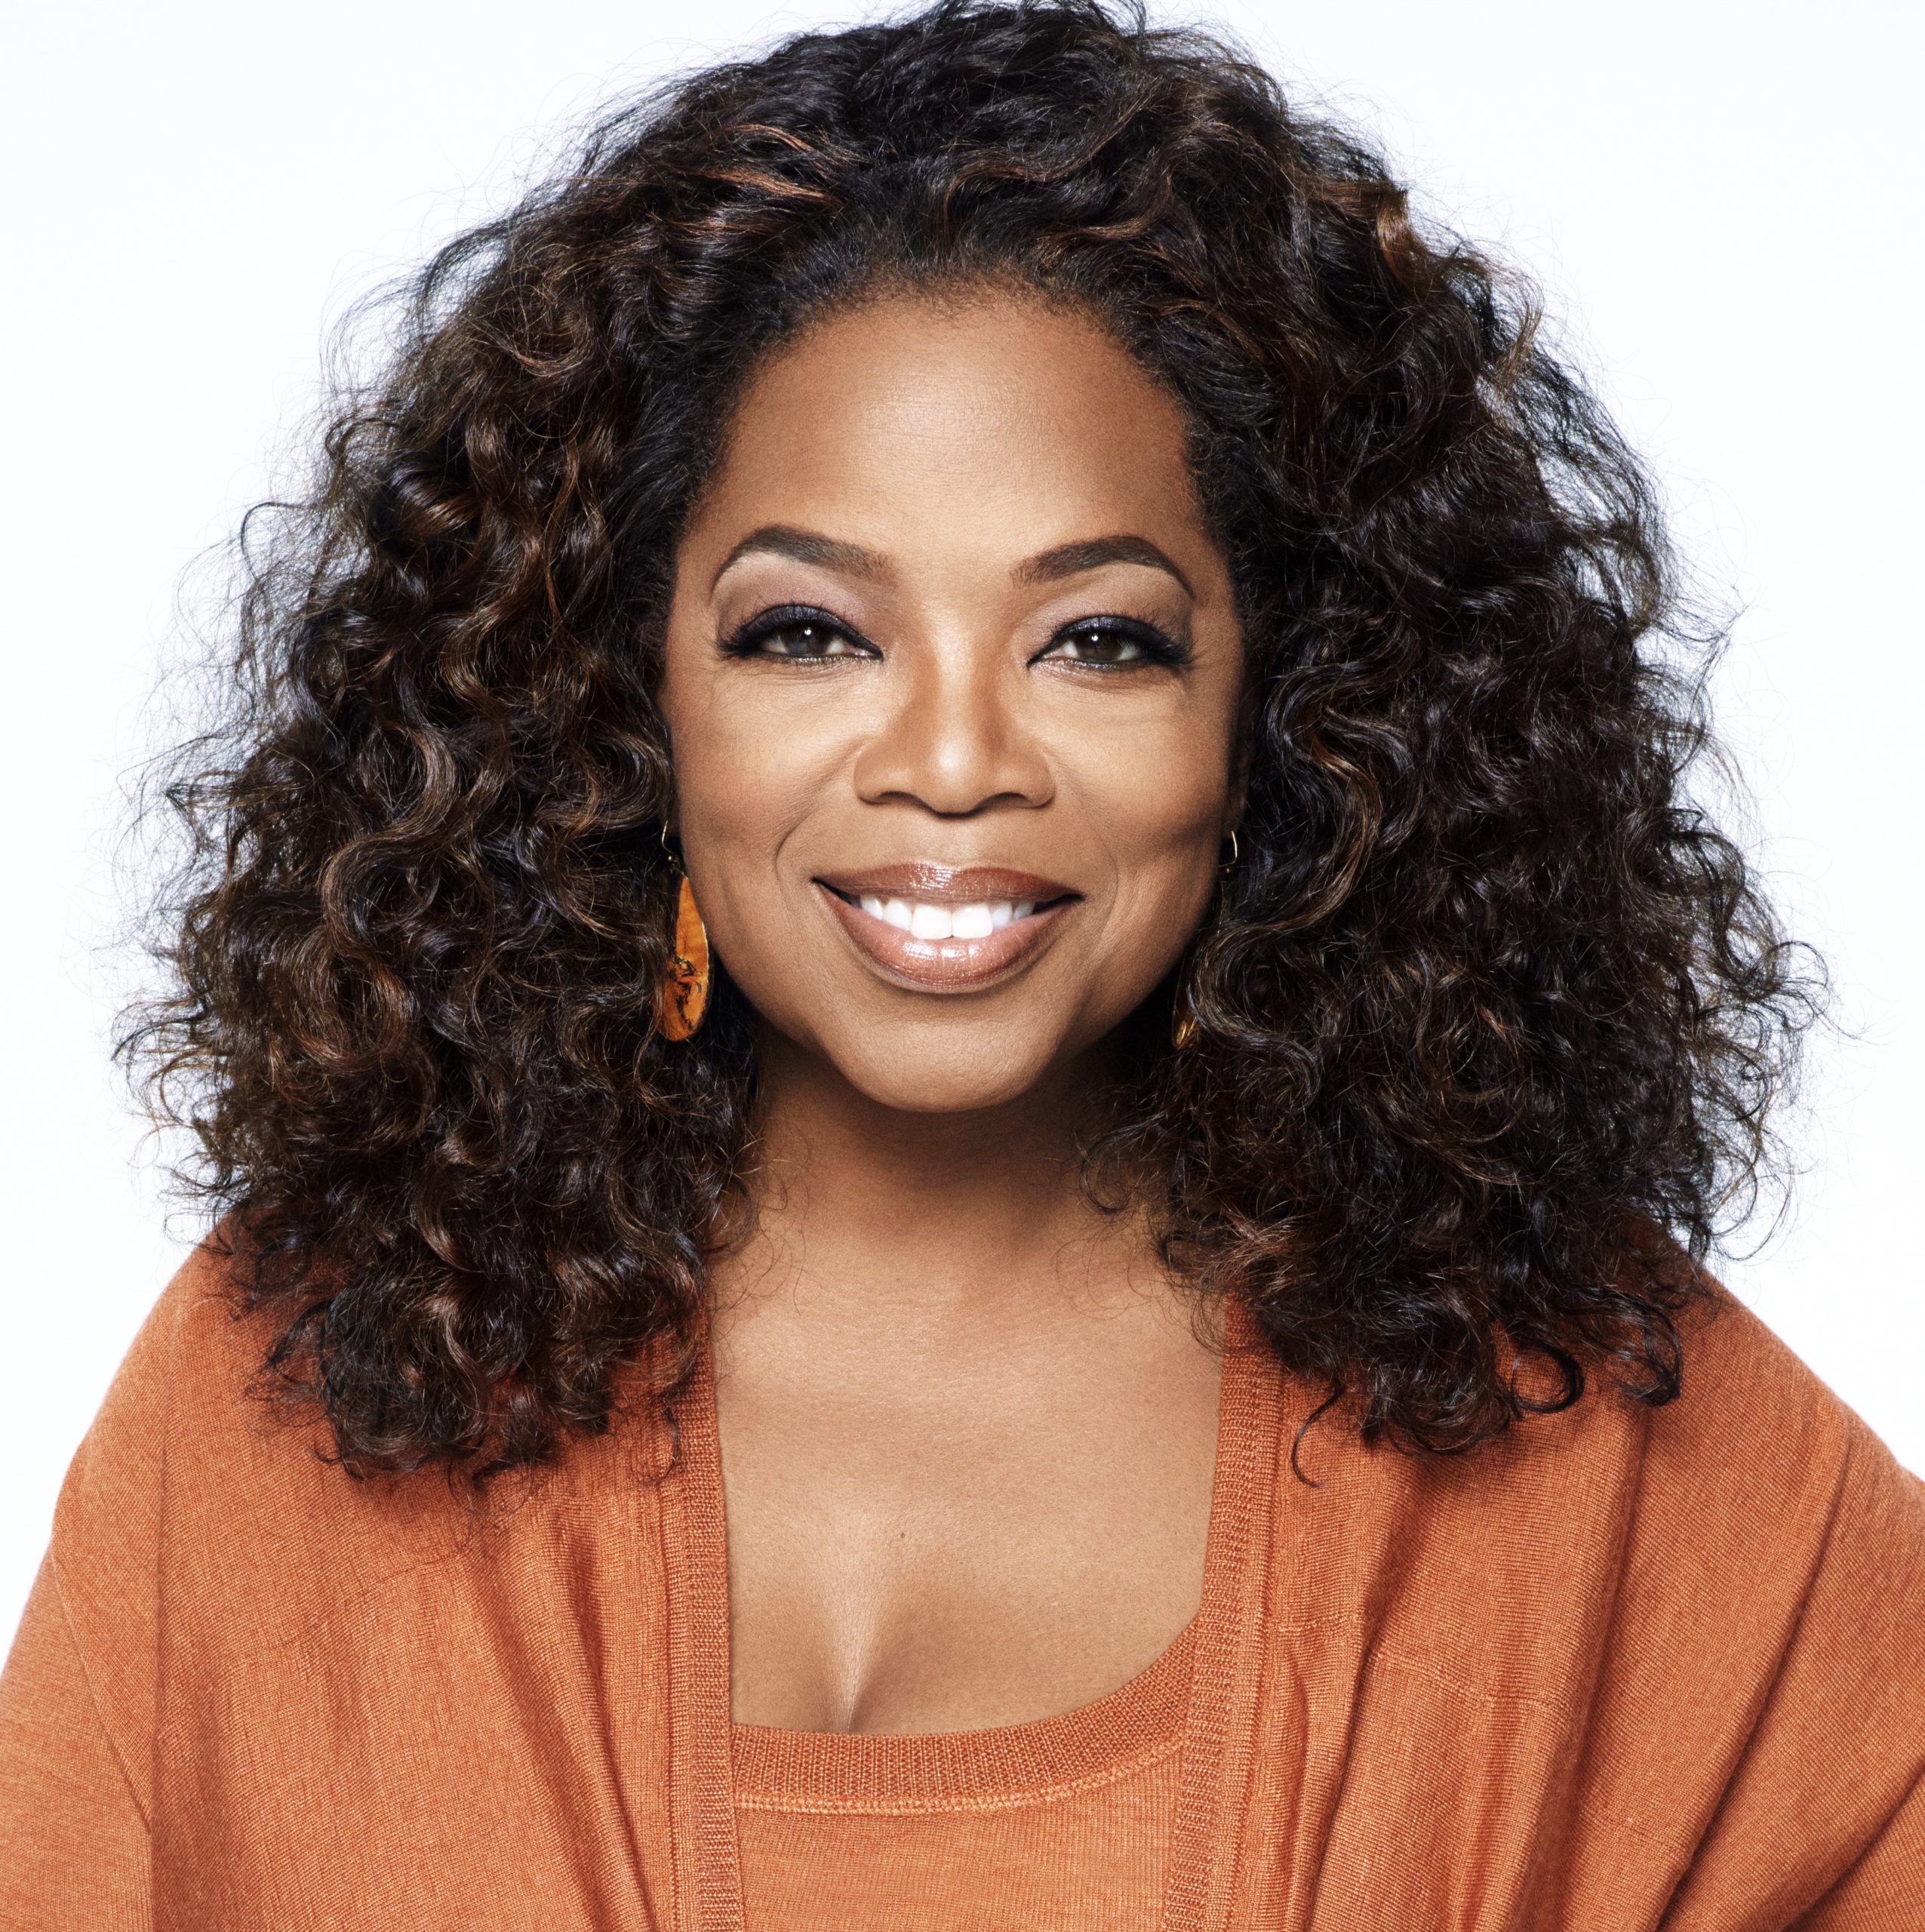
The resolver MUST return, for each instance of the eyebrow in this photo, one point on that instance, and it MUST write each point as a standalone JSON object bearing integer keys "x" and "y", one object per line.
{"x": 1067, "y": 559}
{"x": 809, "y": 546}
{"x": 806, "y": 547}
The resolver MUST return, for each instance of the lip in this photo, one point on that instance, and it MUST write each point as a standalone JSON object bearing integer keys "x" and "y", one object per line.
{"x": 946, "y": 885}
{"x": 948, "y": 965}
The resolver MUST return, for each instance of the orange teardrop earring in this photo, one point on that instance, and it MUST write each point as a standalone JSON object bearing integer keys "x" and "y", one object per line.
{"x": 683, "y": 996}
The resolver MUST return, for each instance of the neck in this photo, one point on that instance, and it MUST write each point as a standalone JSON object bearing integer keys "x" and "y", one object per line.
{"x": 862, "y": 1208}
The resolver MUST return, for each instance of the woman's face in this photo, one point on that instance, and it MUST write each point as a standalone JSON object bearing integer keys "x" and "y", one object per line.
{"x": 951, "y": 682}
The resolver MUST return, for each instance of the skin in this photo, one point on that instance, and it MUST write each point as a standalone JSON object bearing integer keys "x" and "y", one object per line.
{"x": 968, "y": 1427}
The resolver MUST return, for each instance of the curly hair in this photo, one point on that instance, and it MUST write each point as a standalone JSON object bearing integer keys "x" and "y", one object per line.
{"x": 1488, "y": 1019}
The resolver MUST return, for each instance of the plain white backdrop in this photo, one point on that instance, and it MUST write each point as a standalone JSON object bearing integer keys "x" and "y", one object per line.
{"x": 1719, "y": 199}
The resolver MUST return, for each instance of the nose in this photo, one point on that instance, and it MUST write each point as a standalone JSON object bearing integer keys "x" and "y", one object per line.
{"x": 955, "y": 741}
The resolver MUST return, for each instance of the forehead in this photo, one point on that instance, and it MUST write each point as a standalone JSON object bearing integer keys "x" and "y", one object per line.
{"x": 907, "y": 413}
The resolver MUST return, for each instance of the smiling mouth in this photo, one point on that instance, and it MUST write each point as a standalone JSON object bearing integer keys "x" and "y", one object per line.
{"x": 921, "y": 919}
{"x": 948, "y": 929}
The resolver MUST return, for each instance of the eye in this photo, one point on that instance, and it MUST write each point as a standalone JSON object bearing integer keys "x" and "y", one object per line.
{"x": 1114, "y": 644}
{"x": 797, "y": 634}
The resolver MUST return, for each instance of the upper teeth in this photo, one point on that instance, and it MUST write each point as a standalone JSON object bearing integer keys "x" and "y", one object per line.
{"x": 977, "y": 920}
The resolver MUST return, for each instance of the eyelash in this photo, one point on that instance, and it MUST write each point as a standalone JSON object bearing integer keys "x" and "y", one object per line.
{"x": 746, "y": 640}
{"x": 1156, "y": 645}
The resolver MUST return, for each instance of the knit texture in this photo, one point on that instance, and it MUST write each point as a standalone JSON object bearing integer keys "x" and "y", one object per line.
{"x": 1622, "y": 1669}
{"x": 1064, "y": 1822}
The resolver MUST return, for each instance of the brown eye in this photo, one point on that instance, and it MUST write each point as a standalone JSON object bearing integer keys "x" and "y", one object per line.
{"x": 1094, "y": 647}
{"x": 1114, "y": 644}
{"x": 800, "y": 636}
{"x": 806, "y": 640}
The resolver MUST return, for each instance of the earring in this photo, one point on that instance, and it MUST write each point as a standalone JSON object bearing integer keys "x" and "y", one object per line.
{"x": 683, "y": 996}
{"x": 1183, "y": 1015}
{"x": 1182, "y": 1020}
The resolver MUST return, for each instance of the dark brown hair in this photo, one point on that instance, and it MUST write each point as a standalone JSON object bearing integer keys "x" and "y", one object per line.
{"x": 1489, "y": 1014}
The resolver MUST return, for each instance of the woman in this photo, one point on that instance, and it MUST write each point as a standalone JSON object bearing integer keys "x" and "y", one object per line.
{"x": 951, "y": 930}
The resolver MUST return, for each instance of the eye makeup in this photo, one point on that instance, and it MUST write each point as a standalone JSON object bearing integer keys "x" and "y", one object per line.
{"x": 1116, "y": 643}
{"x": 816, "y": 629}
{"x": 1108, "y": 641}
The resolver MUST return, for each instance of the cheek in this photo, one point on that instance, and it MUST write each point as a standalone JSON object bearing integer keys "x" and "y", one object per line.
{"x": 740, "y": 775}
{"x": 750, "y": 766}
{"x": 1165, "y": 840}
{"x": 1159, "y": 788}
{"x": 1158, "y": 808}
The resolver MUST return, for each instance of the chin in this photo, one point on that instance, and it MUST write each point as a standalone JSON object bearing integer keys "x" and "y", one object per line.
{"x": 964, "y": 1081}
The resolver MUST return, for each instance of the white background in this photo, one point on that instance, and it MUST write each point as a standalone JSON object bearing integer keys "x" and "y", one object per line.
{"x": 1720, "y": 196}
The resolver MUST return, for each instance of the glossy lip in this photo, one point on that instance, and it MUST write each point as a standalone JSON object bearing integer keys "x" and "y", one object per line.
{"x": 948, "y": 965}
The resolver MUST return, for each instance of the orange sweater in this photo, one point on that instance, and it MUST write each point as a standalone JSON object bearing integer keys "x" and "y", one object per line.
{"x": 1622, "y": 1669}
{"x": 1066, "y": 1822}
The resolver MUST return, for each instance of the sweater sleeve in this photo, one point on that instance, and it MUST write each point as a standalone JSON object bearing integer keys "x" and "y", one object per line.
{"x": 1819, "y": 1829}
{"x": 1886, "y": 1888}
{"x": 78, "y": 1697}
{"x": 73, "y": 1838}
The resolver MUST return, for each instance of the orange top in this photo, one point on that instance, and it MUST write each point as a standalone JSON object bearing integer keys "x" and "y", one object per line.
{"x": 1065, "y": 1822}
{"x": 1624, "y": 1667}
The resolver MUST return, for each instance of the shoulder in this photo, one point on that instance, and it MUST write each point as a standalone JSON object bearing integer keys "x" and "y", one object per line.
{"x": 107, "y": 1518}
{"x": 1763, "y": 1678}
{"x": 109, "y": 1531}
{"x": 1759, "y": 1464}
{"x": 1755, "y": 1632}
{"x": 1751, "y": 1541}
{"x": 1764, "y": 1496}
{"x": 182, "y": 1422}
{"x": 1755, "y": 1511}
{"x": 1704, "y": 1614}
{"x": 192, "y": 1490}
{"x": 1756, "y": 1469}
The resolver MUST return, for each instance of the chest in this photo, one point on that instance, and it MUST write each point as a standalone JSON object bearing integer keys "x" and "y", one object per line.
{"x": 958, "y": 1544}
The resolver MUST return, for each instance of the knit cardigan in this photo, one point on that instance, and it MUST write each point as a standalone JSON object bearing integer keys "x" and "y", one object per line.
{"x": 1622, "y": 1668}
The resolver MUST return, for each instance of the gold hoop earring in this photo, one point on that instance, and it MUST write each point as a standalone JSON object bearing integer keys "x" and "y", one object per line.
{"x": 1183, "y": 1015}
{"x": 682, "y": 997}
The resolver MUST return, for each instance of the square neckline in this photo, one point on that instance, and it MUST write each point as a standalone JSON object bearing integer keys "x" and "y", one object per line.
{"x": 1036, "y": 1759}
{"x": 1206, "y": 1671}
